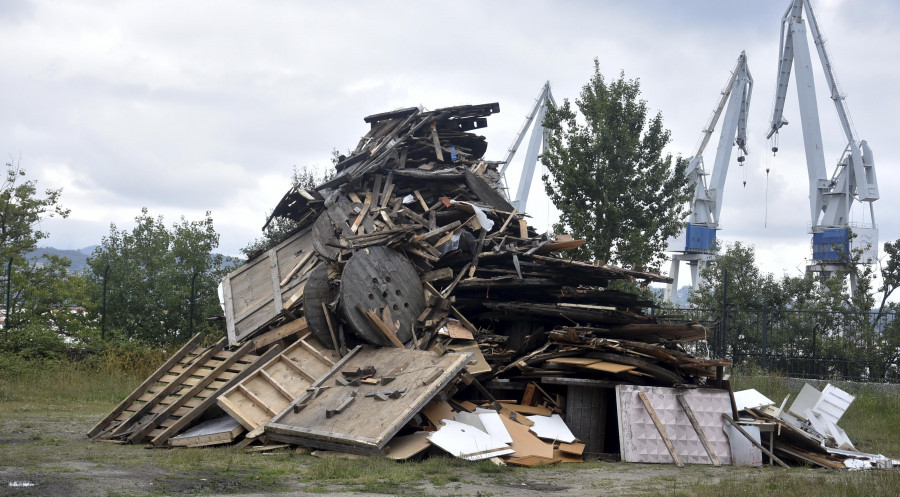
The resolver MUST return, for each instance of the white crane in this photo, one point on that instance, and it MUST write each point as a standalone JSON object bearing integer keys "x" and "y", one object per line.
{"x": 830, "y": 198}
{"x": 700, "y": 234}
{"x": 536, "y": 143}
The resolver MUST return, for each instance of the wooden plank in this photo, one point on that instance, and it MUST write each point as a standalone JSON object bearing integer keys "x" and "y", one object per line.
{"x": 151, "y": 380}
{"x": 277, "y": 383}
{"x": 523, "y": 228}
{"x": 280, "y": 332}
{"x": 297, "y": 267}
{"x": 661, "y": 429}
{"x": 380, "y": 326}
{"x": 276, "y": 282}
{"x": 228, "y": 297}
{"x": 699, "y": 429}
{"x": 162, "y": 394}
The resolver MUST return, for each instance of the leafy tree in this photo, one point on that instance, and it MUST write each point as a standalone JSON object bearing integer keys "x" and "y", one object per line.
{"x": 609, "y": 177}
{"x": 46, "y": 300}
{"x": 151, "y": 269}
{"x": 21, "y": 211}
{"x": 281, "y": 228}
{"x": 890, "y": 275}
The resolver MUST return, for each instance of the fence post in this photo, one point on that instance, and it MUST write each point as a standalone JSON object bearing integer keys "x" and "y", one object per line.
{"x": 103, "y": 305}
{"x": 723, "y": 333}
{"x": 191, "y": 314}
{"x": 7, "y": 321}
{"x": 765, "y": 338}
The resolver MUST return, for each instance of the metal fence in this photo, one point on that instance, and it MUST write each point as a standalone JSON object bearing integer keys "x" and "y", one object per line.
{"x": 803, "y": 344}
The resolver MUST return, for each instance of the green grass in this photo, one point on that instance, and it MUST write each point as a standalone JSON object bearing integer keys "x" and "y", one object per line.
{"x": 799, "y": 483}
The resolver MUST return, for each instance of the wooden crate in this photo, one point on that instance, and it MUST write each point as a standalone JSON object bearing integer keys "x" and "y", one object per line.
{"x": 258, "y": 292}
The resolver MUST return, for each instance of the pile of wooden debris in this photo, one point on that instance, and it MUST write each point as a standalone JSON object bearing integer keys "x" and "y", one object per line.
{"x": 413, "y": 304}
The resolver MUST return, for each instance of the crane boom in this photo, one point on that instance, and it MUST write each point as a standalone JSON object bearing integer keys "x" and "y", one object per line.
{"x": 830, "y": 198}
{"x": 537, "y": 140}
{"x": 700, "y": 243}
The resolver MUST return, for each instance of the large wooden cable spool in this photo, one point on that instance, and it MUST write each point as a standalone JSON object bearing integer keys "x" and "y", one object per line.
{"x": 319, "y": 290}
{"x": 375, "y": 278}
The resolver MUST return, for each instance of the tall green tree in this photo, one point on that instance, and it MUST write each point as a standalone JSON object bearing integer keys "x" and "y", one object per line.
{"x": 45, "y": 300}
{"x": 151, "y": 270}
{"x": 609, "y": 176}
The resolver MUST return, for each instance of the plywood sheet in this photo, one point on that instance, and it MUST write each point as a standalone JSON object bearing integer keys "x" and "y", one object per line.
{"x": 221, "y": 430}
{"x": 639, "y": 440}
{"x": 524, "y": 443}
{"x": 365, "y": 424}
{"x": 402, "y": 448}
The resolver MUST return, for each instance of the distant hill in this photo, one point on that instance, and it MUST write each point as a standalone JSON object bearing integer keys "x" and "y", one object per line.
{"x": 78, "y": 257}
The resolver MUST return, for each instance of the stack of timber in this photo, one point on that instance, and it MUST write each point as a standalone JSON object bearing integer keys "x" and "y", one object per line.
{"x": 410, "y": 293}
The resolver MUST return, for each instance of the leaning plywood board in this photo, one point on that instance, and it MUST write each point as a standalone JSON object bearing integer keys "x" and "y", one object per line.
{"x": 639, "y": 440}
{"x": 266, "y": 392}
{"x": 221, "y": 430}
{"x": 254, "y": 294}
{"x": 362, "y": 416}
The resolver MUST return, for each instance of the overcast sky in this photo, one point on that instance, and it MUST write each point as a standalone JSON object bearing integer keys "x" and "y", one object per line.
{"x": 184, "y": 107}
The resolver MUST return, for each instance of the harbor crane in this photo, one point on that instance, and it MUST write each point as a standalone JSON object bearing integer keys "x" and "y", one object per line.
{"x": 830, "y": 198}
{"x": 536, "y": 143}
{"x": 700, "y": 233}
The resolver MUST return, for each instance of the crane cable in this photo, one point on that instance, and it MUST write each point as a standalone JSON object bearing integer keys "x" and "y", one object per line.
{"x": 774, "y": 148}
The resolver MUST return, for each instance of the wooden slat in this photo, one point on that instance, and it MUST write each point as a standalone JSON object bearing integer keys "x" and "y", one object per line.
{"x": 208, "y": 378}
{"x": 697, "y": 428}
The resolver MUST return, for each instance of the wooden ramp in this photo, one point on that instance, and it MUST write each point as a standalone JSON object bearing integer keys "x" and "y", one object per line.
{"x": 178, "y": 392}
{"x": 263, "y": 394}
{"x": 365, "y": 399}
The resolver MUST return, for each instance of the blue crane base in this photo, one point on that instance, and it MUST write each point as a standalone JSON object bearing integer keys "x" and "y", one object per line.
{"x": 833, "y": 244}
{"x": 700, "y": 239}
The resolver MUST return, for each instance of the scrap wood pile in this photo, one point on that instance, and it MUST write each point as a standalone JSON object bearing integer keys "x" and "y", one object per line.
{"x": 409, "y": 295}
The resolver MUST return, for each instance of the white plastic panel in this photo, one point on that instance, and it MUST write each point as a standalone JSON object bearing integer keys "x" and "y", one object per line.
{"x": 640, "y": 442}
{"x": 833, "y": 403}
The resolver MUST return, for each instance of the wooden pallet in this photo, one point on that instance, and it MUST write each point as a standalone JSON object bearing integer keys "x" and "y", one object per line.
{"x": 263, "y": 394}
{"x": 178, "y": 392}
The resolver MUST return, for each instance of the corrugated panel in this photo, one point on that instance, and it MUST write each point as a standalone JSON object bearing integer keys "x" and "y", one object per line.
{"x": 640, "y": 442}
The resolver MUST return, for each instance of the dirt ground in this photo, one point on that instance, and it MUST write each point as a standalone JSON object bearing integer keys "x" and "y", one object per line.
{"x": 44, "y": 452}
